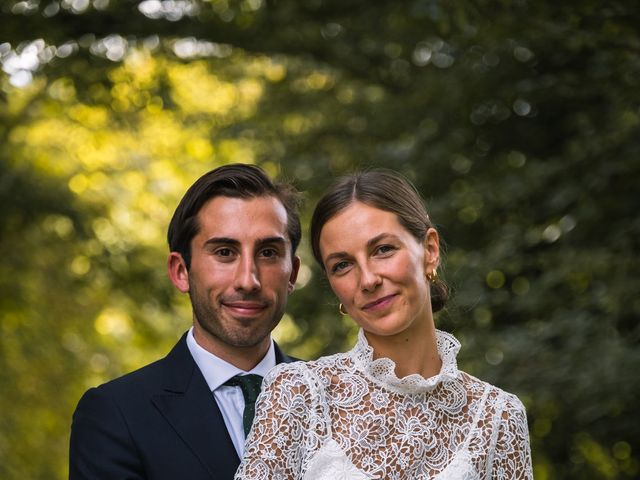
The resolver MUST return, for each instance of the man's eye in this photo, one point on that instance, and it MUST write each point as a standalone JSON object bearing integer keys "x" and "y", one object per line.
{"x": 224, "y": 252}
{"x": 269, "y": 252}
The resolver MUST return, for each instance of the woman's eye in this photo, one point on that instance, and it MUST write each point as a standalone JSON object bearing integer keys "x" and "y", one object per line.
{"x": 385, "y": 249}
{"x": 339, "y": 267}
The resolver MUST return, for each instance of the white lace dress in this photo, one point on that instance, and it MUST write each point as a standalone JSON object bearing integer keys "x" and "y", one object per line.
{"x": 348, "y": 417}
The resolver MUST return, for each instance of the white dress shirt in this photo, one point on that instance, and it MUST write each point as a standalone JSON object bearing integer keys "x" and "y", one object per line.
{"x": 230, "y": 399}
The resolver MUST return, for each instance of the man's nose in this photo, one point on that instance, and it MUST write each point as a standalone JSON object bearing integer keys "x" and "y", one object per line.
{"x": 247, "y": 275}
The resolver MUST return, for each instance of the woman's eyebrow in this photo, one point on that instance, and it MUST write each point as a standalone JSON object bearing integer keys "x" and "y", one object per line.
{"x": 334, "y": 255}
{"x": 370, "y": 243}
{"x": 377, "y": 238}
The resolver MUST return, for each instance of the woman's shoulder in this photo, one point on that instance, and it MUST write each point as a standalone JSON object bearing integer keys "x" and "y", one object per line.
{"x": 301, "y": 370}
{"x": 496, "y": 397}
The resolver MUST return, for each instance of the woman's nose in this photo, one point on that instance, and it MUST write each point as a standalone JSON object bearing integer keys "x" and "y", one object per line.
{"x": 369, "y": 280}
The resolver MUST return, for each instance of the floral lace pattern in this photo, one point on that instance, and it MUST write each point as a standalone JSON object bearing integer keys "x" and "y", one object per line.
{"x": 349, "y": 417}
{"x": 331, "y": 463}
{"x": 383, "y": 370}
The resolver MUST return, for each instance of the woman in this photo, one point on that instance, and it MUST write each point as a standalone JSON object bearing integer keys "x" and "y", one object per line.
{"x": 395, "y": 406}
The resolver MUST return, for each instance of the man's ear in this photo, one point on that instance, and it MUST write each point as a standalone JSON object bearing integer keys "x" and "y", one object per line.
{"x": 178, "y": 273}
{"x": 294, "y": 273}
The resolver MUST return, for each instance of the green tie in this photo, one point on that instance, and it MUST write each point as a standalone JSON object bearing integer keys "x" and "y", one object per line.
{"x": 250, "y": 385}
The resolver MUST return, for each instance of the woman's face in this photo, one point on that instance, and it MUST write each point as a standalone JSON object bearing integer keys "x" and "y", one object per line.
{"x": 378, "y": 269}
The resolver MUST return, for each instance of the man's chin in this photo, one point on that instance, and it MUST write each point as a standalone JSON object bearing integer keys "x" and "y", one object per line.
{"x": 247, "y": 342}
{"x": 238, "y": 332}
{"x": 245, "y": 337}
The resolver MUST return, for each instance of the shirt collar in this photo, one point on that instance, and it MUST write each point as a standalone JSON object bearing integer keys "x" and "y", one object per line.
{"x": 217, "y": 371}
{"x": 382, "y": 370}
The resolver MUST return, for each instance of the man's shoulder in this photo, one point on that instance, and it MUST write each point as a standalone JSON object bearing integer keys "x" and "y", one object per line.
{"x": 136, "y": 378}
{"x": 147, "y": 378}
{"x": 115, "y": 397}
{"x": 282, "y": 357}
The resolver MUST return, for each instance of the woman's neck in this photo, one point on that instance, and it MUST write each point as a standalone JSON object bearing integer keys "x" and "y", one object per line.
{"x": 414, "y": 350}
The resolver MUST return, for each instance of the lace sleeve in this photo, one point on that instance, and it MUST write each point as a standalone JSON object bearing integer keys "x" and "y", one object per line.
{"x": 284, "y": 428}
{"x": 512, "y": 458}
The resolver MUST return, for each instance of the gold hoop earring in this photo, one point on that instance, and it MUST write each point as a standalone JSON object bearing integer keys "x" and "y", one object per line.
{"x": 342, "y": 310}
{"x": 432, "y": 276}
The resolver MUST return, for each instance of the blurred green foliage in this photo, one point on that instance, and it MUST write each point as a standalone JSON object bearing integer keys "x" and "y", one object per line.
{"x": 517, "y": 120}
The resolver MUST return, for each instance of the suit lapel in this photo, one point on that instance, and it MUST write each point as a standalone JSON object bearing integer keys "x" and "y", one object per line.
{"x": 281, "y": 357}
{"x": 189, "y": 406}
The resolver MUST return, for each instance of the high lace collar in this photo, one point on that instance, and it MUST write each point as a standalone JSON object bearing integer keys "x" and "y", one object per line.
{"x": 382, "y": 370}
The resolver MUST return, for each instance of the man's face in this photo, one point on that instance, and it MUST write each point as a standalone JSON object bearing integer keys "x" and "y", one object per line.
{"x": 242, "y": 271}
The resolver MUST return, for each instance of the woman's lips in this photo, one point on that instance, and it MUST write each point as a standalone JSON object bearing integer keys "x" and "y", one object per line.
{"x": 380, "y": 303}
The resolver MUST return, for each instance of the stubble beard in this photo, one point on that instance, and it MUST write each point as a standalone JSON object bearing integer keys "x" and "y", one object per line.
{"x": 228, "y": 330}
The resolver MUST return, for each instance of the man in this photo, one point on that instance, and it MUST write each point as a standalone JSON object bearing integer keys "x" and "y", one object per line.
{"x": 232, "y": 244}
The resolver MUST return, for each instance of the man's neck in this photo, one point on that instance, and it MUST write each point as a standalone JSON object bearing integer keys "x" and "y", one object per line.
{"x": 244, "y": 358}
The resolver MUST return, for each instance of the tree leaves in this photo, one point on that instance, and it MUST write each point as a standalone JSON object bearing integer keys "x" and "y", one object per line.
{"x": 516, "y": 120}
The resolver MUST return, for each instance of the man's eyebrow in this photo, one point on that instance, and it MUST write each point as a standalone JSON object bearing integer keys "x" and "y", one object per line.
{"x": 222, "y": 240}
{"x": 271, "y": 240}
{"x": 234, "y": 241}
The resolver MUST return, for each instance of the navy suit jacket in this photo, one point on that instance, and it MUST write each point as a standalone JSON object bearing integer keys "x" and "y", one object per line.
{"x": 159, "y": 422}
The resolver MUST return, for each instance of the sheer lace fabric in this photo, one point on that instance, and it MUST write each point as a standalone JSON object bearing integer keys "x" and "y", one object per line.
{"x": 349, "y": 417}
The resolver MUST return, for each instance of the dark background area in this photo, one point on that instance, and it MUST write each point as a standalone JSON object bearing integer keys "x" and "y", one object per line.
{"x": 517, "y": 120}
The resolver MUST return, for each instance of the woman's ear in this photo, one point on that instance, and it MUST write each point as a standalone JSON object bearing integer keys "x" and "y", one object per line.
{"x": 431, "y": 250}
{"x": 178, "y": 273}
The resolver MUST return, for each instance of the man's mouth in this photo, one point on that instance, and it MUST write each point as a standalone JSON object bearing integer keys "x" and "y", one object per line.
{"x": 245, "y": 308}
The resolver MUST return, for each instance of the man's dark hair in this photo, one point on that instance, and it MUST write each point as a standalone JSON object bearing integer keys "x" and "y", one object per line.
{"x": 237, "y": 181}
